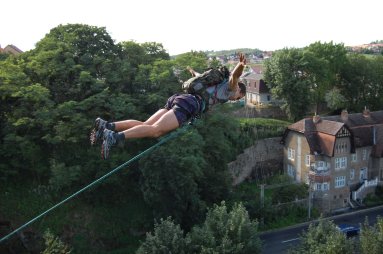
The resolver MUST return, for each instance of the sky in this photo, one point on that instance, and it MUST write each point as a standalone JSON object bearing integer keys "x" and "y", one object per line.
{"x": 185, "y": 25}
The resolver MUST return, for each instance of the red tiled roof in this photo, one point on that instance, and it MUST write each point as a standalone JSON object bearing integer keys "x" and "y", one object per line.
{"x": 366, "y": 130}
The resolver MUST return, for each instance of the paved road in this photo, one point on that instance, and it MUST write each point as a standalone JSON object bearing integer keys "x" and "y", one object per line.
{"x": 280, "y": 241}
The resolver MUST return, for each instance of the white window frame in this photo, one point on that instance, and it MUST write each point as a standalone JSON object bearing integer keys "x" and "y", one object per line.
{"x": 340, "y": 181}
{"x": 307, "y": 160}
{"x": 343, "y": 162}
{"x": 340, "y": 163}
{"x": 291, "y": 154}
{"x": 352, "y": 174}
{"x": 354, "y": 157}
{"x": 364, "y": 154}
{"x": 325, "y": 186}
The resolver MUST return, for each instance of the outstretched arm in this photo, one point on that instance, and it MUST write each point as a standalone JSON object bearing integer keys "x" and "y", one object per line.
{"x": 237, "y": 72}
{"x": 192, "y": 72}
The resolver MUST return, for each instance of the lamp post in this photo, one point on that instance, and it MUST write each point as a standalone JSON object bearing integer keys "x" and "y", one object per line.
{"x": 310, "y": 197}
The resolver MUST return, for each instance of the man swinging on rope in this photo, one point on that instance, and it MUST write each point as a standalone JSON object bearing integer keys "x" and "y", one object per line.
{"x": 178, "y": 109}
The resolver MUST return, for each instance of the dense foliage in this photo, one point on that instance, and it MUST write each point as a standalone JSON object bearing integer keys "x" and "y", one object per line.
{"x": 50, "y": 97}
{"x": 324, "y": 74}
{"x": 223, "y": 231}
{"x": 326, "y": 237}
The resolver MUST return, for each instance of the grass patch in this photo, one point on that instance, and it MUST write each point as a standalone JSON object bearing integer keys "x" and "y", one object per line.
{"x": 272, "y": 215}
{"x": 373, "y": 200}
{"x": 264, "y": 122}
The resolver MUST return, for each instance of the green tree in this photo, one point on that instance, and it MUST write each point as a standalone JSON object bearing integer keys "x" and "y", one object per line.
{"x": 335, "y": 56}
{"x": 223, "y": 231}
{"x": 371, "y": 237}
{"x": 53, "y": 245}
{"x": 323, "y": 238}
{"x": 74, "y": 61}
{"x": 327, "y": 61}
{"x": 226, "y": 232}
{"x": 289, "y": 193}
{"x": 361, "y": 81}
{"x": 194, "y": 59}
{"x": 24, "y": 111}
{"x": 167, "y": 238}
{"x": 285, "y": 74}
{"x": 375, "y": 87}
{"x": 170, "y": 179}
{"x": 221, "y": 135}
{"x": 154, "y": 51}
{"x": 335, "y": 99}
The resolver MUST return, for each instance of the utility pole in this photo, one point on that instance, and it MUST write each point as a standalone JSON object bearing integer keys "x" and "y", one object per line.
{"x": 309, "y": 205}
{"x": 262, "y": 201}
{"x": 262, "y": 195}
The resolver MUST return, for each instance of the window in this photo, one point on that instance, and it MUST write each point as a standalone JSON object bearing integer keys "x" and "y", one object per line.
{"x": 340, "y": 162}
{"x": 353, "y": 157}
{"x": 363, "y": 174}
{"x": 340, "y": 181}
{"x": 341, "y": 147}
{"x": 268, "y": 97}
{"x": 291, "y": 154}
{"x": 364, "y": 154}
{"x": 290, "y": 170}
{"x": 307, "y": 160}
{"x": 322, "y": 186}
{"x": 352, "y": 174}
{"x": 343, "y": 162}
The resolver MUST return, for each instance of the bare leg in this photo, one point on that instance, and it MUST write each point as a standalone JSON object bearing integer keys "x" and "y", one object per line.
{"x": 167, "y": 122}
{"x": 127, "y": 124}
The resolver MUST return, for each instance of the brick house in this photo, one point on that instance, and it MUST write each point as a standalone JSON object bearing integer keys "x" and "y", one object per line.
{"x": 257, "y": 91}
{"x": 340, "y": 157}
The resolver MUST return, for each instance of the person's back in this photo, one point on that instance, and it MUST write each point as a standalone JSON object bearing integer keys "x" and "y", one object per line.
{"x": 219, "y": 93}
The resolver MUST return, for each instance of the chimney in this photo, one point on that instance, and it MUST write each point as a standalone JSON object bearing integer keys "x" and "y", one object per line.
{"x": 316, "y": 119}
{"x": 366, "y": 112}
{"x": 344, "y": 115}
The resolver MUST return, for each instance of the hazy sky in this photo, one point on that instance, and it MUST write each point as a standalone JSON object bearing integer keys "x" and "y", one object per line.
{"x": 182, "y": 26}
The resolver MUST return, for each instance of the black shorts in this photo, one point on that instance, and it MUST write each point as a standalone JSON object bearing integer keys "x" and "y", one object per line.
{"x": 185, "y": 106}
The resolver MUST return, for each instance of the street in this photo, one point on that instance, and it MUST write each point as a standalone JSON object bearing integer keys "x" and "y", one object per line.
{"x": 279, "y": 241}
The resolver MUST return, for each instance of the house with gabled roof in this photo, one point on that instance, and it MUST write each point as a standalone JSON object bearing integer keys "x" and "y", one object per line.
{"x": 257, "y": 92}
{"x": 11, "y": 49}
{"x": 340, "y": 157}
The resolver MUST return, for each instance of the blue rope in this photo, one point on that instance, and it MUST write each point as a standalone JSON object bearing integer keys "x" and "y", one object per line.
{"x": 160, "y": 142}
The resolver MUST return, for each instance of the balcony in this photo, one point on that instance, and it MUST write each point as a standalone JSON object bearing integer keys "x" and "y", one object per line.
{"x": 314, "y": 169}
{"x": 319, "y": 174}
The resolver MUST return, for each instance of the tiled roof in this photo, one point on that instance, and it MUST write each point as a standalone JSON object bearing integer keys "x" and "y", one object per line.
{"x": 366, "y": 130}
